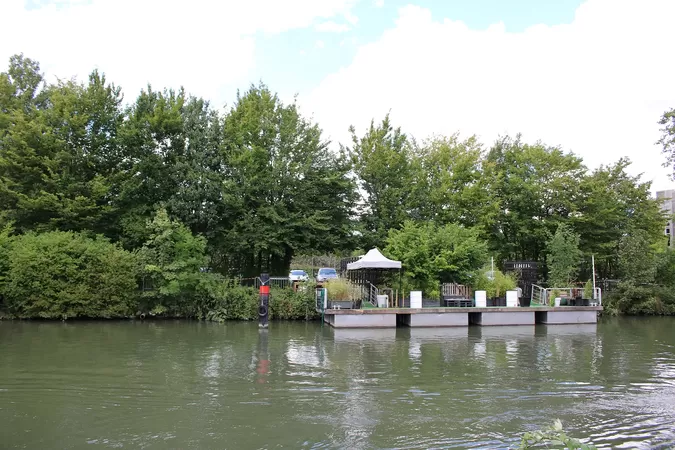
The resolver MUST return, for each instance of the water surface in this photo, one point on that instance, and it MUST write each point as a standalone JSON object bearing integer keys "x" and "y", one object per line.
{"x": 189, "y": 385}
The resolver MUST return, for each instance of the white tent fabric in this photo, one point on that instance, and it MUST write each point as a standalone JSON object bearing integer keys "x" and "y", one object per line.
{"x": 374, "y": 260}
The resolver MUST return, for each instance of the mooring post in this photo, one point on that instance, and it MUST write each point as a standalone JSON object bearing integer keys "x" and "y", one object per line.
{"x": 263, "y": 307}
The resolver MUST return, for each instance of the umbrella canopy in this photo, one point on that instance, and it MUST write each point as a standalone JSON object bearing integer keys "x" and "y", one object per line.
{"x": 374, "y": 260}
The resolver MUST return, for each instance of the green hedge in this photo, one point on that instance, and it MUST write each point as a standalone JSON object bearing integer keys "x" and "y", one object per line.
{"x": 60, "y": 275}
{"x": 240, "y": 303}
{"x": 65, "y": 275}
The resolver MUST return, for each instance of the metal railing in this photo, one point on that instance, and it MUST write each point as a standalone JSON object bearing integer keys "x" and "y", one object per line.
{"x": 371, "y": 293}
{"x": 540, "y": 296}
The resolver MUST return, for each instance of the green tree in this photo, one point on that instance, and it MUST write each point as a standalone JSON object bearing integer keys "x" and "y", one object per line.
{"x": 431, "y": 253}
{"x": 637, "y": 258}
{"x": 636, "y": 293}
{"x": 451, "y": 187}
{"x": 610, "y": 204}
{"x": 286, "y": 191}
{"x": 538, "y": 187}
{"x": 667, "y": 140}
{"x": 153, "y": 140}
{"x": 57, "y": 150}
{"x": 563, "y": 257}
{"x": 175, "y": 267}
{"x": 382, "y": 161}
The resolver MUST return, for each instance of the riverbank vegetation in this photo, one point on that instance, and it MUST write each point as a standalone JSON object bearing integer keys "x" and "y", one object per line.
{"x": 112, "y": 206}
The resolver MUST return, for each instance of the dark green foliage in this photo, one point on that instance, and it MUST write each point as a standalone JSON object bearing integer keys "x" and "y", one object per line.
{"x": 667, "y": 139}
{"x": 433, "y": 254}
{"x": 247, "y": 190}
{"x": 611, "y": 203}
{"x": 285, "y": 191}
{"x": 536, "y": 187}
{"x": 240, "y": 303}
{"x": 382, "y": 162}
{"x": 175, "y": 266}
{"x": 563, "y": 257}
{"x": 59, "y": 274}
{"x": 645, "y": 299}
{"x": 647, "y": 278}
{"x": 286, "y": 304}
{"x": 233, "y": 302}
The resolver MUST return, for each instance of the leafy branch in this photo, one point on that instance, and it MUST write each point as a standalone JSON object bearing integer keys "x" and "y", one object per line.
{"x": 552, "y": 436}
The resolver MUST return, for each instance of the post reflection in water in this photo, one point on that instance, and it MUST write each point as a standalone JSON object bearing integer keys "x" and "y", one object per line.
{"x": 300, "y": 385}
{"x": 263, "y": 356}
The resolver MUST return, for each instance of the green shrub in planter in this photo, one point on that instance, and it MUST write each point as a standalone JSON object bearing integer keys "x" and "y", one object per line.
{"x": 495, "y": 287}
{"x": 588, "y": 290}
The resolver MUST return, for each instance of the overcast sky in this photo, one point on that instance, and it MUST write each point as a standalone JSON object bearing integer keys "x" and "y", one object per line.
{"x": 590, "y": 76}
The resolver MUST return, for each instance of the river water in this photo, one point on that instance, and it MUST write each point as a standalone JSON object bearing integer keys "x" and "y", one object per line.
{"x": 190, "y": 385}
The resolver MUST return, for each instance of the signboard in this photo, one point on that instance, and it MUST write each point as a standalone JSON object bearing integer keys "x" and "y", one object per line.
{"x": 527, "y": 272}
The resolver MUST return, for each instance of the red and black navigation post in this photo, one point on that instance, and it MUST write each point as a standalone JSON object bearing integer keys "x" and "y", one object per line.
{"x": 264, "y": 305}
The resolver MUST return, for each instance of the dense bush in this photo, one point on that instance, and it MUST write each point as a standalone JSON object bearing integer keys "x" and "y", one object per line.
{"x": 433, "y": 253}
{"x": 241, "y": 303}
{"x": 286, "y": 304}
{"x": 65, "y": 275}
{"x": 645, "y": 299}
{"x": 175, "y": 268}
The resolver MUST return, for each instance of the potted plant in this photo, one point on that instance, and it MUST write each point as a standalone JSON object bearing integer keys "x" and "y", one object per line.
{"x": 495, "y": 284}
{"x": 554, "y": 299}
{"x": 587, "y": 293}
{"x": 341, "y": 294}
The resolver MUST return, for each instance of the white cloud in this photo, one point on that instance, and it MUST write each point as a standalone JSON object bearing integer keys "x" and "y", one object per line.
{"x": 200, "y": 44}
{"x": 379, "y": 3}
{"x": 319, "y": 44}
{"x": 596, "y": 86}
{"x": 332, "y": 27}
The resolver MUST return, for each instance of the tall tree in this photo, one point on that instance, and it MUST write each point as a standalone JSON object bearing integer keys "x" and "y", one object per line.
{"x": 57, "y": 150}
{"x": 667, "y": 139}
{"x": 537, "y": 187}
{"x": 451, "y": 186}
{"x": 382, "y": 161}
{"x": 153, "y": 140}
{"x": 612, "y": 203}
{"x": 563, "y": 257}
{"x": 288, "y": 192}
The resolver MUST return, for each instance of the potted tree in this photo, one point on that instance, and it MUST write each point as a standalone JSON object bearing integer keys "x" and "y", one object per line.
{"x": 495, "y": 284}
{"x": 587, "y": 294}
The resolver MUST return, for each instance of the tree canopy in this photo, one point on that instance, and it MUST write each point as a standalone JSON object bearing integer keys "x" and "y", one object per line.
{"x": 259, "y": 184}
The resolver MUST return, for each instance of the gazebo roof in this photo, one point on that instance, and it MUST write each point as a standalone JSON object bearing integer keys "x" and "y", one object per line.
{"x": 374, "y": 260}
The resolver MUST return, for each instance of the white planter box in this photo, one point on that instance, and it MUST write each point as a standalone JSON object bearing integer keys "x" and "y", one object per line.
{"x": 511, "y": 298}
{"x": 481, "y": 299}
{"x": 382, "y": 301}
{"x": 415, "y": 299}
{"x": 557, "y": 301}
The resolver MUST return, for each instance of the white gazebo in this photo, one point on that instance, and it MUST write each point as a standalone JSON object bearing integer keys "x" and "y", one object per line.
{"x": 374, "y": 260}
{"x": 367, "y": 271}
